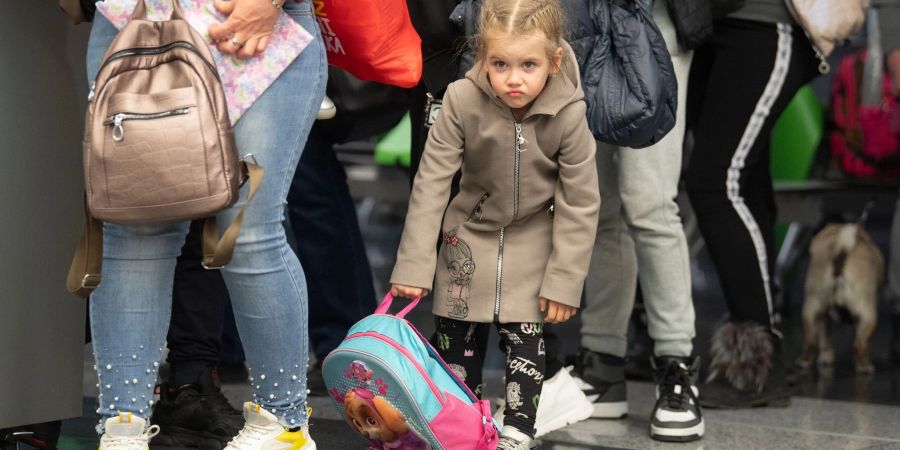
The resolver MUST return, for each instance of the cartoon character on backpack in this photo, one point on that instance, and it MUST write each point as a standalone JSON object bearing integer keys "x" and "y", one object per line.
{"x": 380, "y": 422}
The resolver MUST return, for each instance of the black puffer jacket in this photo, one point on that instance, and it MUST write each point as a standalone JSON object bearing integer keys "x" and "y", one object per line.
{"x": 631, "y": 94}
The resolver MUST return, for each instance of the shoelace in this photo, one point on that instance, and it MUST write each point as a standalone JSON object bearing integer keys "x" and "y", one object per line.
{"x": 249, "y": 435}
{"x": 131, "y": 442}
{"x": 675, "y": 387}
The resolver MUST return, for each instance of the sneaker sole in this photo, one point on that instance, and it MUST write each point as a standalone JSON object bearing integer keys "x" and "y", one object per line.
{"x": 678, "y": 434}
{"x": 181, "y": 438}
{"x": 573, "y": 415}
{"x": 610, "y": 410}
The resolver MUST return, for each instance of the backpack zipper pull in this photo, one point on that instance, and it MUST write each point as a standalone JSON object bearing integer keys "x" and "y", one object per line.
{"x": 91, "y": 93}
{"x": 118, "y": 133}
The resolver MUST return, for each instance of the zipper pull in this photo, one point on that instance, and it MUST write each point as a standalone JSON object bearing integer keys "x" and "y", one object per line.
{"x": 91, "y": 92}
{"x": 520, "y": 138}
{"x": 118, "y": 132}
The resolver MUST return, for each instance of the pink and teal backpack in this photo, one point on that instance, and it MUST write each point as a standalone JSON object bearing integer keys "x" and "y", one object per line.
{"x": 394, "y": 389}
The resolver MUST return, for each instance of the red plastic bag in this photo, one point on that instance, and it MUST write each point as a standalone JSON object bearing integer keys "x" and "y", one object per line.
{"x": 372, "y": 39}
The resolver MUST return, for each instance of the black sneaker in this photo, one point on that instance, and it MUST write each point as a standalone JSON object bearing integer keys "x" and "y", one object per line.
{"x": 676, "y": 416}
{"x": 602, "y": 378}
{"x": 195, "y": 416}
{"x": 315, "y": 382}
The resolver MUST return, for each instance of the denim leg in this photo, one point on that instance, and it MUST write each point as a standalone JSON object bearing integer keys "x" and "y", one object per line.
{"x": 265, "y": 279}
{"x": 129, "y": 312}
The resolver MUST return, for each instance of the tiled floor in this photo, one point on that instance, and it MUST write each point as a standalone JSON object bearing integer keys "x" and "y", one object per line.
{"x": 835, "y": 410}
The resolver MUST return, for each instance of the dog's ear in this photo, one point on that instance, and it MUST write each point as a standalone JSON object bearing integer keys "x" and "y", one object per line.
{"x": 392, "y": 417}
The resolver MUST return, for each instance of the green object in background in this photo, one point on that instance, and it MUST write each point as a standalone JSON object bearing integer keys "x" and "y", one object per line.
{"x": 796, "y": 137}
{"x": 795, "y": 140}
{"x": 393, "y": 148}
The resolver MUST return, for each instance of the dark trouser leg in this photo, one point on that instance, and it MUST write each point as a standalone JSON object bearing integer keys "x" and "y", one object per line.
{"x": 553, "y": 347}
{"x": 462, "y": 345}
{"x": 329, "y": 245}
{"x": 753, "y": 70}
{"x": 198, "y": 308}
{"x": 525, "y": 361}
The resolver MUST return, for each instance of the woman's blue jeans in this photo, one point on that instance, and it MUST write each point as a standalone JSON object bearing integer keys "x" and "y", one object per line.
{"x": 130, "y": 310}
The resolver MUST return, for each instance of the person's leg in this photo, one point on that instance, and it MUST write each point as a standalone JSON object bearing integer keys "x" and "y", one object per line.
{"x": 769, "y": 63}
{"x": 198, "y": 308}
{"x": 329, "y": 245}
{"x": 192, "y": 410}
{"x": 648, "y": 185}
{"x": 609, "y": 291}
{"x": 525, "y": 364}
{"x": 264, "y": 277}
{"x": 129, "y": 311}
{"x": 462, "y": 346}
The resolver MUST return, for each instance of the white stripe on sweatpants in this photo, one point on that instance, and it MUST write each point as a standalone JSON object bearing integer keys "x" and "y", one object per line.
{"x": 751, "y": 132}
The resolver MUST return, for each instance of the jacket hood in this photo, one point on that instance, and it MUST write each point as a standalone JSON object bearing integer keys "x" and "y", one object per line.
{"x": 560, "y": 91}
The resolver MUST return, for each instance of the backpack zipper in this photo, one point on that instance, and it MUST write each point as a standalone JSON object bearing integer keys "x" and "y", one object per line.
{"x": 152, "y": 51}
{"x": 116, "y": 120}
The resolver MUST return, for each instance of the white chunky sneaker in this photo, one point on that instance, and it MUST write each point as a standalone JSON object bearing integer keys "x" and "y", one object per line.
{"x": 513, "y": 439}
{"x": 676, "y": 416}
{"x": 263, "y": 431}
{"x": 327, "y": 110}
{"x": 562, "y": 403}
{"x": 126, "y": 432}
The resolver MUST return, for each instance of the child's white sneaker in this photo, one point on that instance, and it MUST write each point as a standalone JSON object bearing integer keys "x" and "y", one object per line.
{"x": 513, "y": 439}
{"x": 126, "y": 432}
{"x": 263, "y": 431}
{"x": 562, "y": 403}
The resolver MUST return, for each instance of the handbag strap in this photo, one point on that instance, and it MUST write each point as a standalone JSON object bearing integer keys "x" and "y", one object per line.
{"x": 86, "y": 268}
{"x": 217, "y": 251}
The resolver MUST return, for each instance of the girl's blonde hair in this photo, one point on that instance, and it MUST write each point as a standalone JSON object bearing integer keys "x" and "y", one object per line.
{"x": 518, "y": 18}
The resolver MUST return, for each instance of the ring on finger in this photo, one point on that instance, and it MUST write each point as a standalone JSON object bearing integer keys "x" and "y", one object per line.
{"x": 235, "y": 42}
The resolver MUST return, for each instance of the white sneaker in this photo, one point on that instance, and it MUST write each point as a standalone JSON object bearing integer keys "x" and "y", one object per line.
{"x": 263, "y": 431}
{"x": 126, "y": 432}
{"x": 513, "y": 439}
{"x": 327, "y": 110}
{"x": 562, "y": 403}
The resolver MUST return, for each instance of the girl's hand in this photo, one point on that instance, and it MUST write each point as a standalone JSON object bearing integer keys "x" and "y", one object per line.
{"x": 411, "y": 292}
{"x": 556, "y": 312}
{"x": 246, "y": 31}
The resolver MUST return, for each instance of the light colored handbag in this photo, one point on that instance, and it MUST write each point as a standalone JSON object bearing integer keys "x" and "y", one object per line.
{"x": 158, "y": 142}
{"x": 828, "y": 22}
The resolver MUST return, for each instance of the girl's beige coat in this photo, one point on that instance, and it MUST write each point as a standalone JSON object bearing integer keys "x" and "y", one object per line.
{"x": 523, "y": 224}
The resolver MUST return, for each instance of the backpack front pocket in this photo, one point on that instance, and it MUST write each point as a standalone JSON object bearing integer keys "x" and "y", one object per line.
{"x": 155, "y": 146}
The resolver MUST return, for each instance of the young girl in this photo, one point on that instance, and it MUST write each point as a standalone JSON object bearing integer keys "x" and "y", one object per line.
{"x": 517, "y": 238}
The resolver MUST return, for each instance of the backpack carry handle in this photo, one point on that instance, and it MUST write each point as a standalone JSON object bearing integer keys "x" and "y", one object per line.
{"x": 140, "y": 10}
{"x": 386, "y": 304}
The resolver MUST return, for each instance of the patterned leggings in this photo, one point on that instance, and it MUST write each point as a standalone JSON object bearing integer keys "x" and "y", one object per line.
{"x": 463, "y": 345}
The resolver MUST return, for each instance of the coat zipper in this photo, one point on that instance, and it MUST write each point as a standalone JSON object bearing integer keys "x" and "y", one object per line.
{"x": 519, "y": 140}
{"x": 499, "y": 278}
{"x": 116, "y": 120}
{"x": 151, "y": 51}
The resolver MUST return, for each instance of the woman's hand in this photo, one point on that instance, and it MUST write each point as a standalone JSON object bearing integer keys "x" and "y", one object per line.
{"x": 556, "y": 312}
{"x": 399, "y": 290}
{"x": 246, "y": 31}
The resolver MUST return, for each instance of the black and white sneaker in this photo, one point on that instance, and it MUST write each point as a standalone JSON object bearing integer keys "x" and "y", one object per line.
{"x": 602, "y": 379}
{"x": 676, "y": 416}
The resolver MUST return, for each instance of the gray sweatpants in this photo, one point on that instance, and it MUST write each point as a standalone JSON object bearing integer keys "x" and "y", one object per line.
{"x": 641, "y": 235}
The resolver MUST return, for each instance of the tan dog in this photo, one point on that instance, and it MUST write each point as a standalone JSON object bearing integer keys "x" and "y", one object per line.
{"x": 846, "y": 270}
